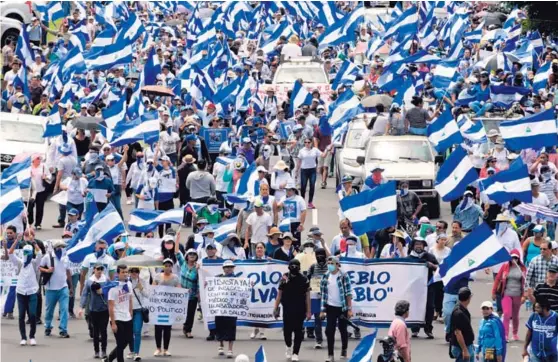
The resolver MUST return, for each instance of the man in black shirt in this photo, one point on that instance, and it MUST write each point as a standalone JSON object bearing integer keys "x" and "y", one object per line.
{"x": 462, "y": 335}
{"x": 294, "y": 296}
{"x": 548, "y": 289}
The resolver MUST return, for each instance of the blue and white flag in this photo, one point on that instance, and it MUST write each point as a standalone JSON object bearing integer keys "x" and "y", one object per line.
{"x": 536, "y": 41}
{"x": 114, "y": 115}
{"x": 53, "y": 126}
{"x": 106, "y": 225}
{"x": 224, "y": 228}
{"x": 142, "y": 221}
{"x": 472, "y": 131}
{"x": 535, "y": 131}
{"x": 300, "y": 96}
{"x": 444, "y": 74}
{"x": 345, "y": 108}
{"x": 443, "y": 132}
{"x": 152, "y": 68}
{"x": 511, "y": 184}
{"x": 21, "y": 171}
{"x": 503, "y": 96}
{"x": 365, "y": 348}
{"x": 119, "y": 53}
{"x": 248, "y": 186}
{"x": 455, "y": 174}
{"x": 11, "y": 202}
{"x": 145, "y": 128}
{"x": 372, "y": 209}
{"x": 346, "y": 75}
{"x": 406, "y": 23}
{"x": 541, "y": 78}
{"x": 194, "y": 207}
{"x": 24, "y": 51}
{"x": 54, "y": 11}
{"x": 478, "y": 250}
{"x": 260, "y": 355}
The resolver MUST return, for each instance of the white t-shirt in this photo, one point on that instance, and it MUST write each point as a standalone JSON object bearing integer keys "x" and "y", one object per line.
{"x": 169, "y": 141}
{"x": 75, "y": 189}
{"x": 541, "y": 200}
{"x": 90, "y": 260}
{"x": 309, "y": 157}
{"x": 121, "y": 300}
{"x": 292, "y": 208}
{"x": 260, "y": 226}
{"x": 58, "y": 279}
{"x": 291, "y": 51}
{"x": 333, "y": 292}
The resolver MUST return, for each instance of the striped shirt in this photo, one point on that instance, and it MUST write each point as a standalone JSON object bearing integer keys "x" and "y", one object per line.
{"x": 188, "y": 276}
{"x": 549, "y": 292}
{"x": 536, "y": 274}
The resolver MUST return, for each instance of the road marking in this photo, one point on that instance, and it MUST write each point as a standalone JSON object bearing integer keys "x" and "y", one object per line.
{"x": 314, "y": 217}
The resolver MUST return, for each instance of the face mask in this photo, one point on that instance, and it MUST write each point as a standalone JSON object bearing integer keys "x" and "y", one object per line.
{"x": 501, "y": 228}
{"x": 321, "y": 259}
{"x": 351, "y": 249}
{"x": 93, "y": 157}
{"x": 404, "y": 192}
{"x": 58, "y": 253}
{"x": 294, "y": 269}
{"x": 266, "y": 153}
{"x": 499, "y": 147}
{"x": 169, "y": 246}
{"x": 308, "y": 250}
{"x": 150, "y": 167}
{"x": 99, "y": 175}
{"x": 208, "y": 240}
{"x": 212, "y": 208}
{"x": 100, "y": 253}
{"x": 169, "y": 130}
{"x": 331, "y": 268}
{"x": 546, "y": 176}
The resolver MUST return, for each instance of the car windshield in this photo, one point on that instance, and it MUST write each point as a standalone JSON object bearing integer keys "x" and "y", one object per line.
{"x": 288, "y": 75}
{"x": 356, "y": 138}
{"x": 399, "y": 151}
{"x": 21, "y": 132}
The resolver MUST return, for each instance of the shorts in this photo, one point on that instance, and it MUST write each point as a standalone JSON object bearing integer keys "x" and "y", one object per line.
{"x": 324, "y": 161}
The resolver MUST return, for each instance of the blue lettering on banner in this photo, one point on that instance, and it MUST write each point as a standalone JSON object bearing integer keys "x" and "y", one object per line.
{"x": 214, "y": 137}
{"x": 269, "y": 283}
{"x": 369, "y": 286}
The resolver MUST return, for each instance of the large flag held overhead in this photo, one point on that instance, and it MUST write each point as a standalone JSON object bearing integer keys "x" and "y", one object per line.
{"x": 372, "y": 209}
{"x": 11, "y": 202}
{"x": 345, "y": 108}
{"x": 535, "y": 131}
{"x": 142, "y": 221}
{"x": 511, "y": 184}
{"x": 300, "y": 96}
{"x": 19, "y": 170}
{"x": 478, "y": 250}
{"x": 455, "y": 174}
{"x": 346, "y": 75}
{"x": 444, "y": 132}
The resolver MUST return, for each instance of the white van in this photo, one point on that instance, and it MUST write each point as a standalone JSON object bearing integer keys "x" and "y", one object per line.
{"x": 21, "y": 133}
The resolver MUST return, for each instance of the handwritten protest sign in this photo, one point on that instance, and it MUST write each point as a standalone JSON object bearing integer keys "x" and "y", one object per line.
{"x": 228, "y": 297}
{"x": 167, "y": 305}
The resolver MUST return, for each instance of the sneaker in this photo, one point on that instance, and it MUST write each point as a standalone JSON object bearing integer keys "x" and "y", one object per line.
{"x": 429, "y": 335}
{"x": 129, "y": 201}
{"x": 294, "y": 357}
{"x": 310, "y": 335}
{"x": 289, "y": 352}
{"x": 23, "y": 342}
{"x": 330, "y": 359}
{"x": 229, "y": 354}
{"x": 343, "y": 354}
{"x": 32, "y": 342}
{"x": 39, "y": 322}
{"x": 48, "y": 331}
{"x": 221, "y": 351}
{"x": 137, "y": 357}
{"x": 103, "y": 354}
{"x": 415, "y": 334}
{"x": 167, "y": 354}
{"x": 10, "y": 316}
{"x": 253, "y": 335}
{"x": 515, "y": 337}
{"x": 38, "y": 227}
{"x": 157, "y": 353}
{"x": 357, "y": 334}
{"x": 318, "y": 345}
{"x": 64, "y": 335}
{"x": 211, "y": 337}
{"x": 130, "y": 355}
{"x": 104, "y": 359}
{"x": 311, "y": 205}
{"x": 73, "y": 316}
{"x": 58, "y": 226}
{"x": 324, "y": 184}
{"x": 97, "y": 355}
{"x": 261, "y": 336}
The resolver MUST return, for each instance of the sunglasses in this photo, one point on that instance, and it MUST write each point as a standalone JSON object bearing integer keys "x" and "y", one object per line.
{"x": 543, "y": 249}
{"x": 100, "y": 268}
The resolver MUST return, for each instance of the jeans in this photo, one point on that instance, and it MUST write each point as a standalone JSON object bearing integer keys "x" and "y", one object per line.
{"x": 62, "y": 297}
{"x": 533, "y": 358}
{"x": 10, "y": 300}
{"x": 417, "y": 131}
{"x": 333, "y": 319}
{"x": 75, "y": 279}
{"x": 191, "y": 313}
{"x": 479, "y": 109}
{"x": 62, "y": 214}
{"x": 115, "y": 198}
{"x": 318, "y": 328}
{"x": 124, "y": 337}
{"x": 511, "y": 307}
{"x": 39, "y": 203}
{"x": 456, "y": 352}
{"x": 307, "y": 175}
{"x": 450, "y": 300}
{"x": 293, "y": 324}
{"x": 137, "y": 327}
{"x": 27, "y": 304}
{"x": 99, "y": 320}
{"x": 162, "y": 333}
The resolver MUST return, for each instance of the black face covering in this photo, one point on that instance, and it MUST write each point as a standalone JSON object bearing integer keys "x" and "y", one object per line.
{"x": 320, "y": 256}
{"x": 294, "y": 267}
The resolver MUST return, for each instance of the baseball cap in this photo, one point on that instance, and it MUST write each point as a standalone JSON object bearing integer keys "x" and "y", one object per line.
{"x": 73, "y": 212}
{"x": 486, "y": 304}
{"x": 119, "y": 245}
{"x": 553, "y": 268}
{"x": 228, "y": 263}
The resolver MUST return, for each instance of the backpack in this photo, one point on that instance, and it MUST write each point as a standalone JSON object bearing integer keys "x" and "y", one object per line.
{"x": 45, "y": 276}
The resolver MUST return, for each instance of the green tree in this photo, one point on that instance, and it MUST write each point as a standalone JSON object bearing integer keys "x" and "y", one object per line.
{"x": 541, "y": 15}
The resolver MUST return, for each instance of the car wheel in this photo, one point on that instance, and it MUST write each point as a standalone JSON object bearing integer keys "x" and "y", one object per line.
{"x": 10, "y": 34}
{"x": 434, "y": 208}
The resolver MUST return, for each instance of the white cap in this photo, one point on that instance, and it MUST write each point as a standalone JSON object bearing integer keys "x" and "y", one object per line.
{"x": 554, "y": 245}
{"x": 486, "y": 304}
{"x": 228, "y": 263}
{"x": 119, "y": 245}
{"x": 261, "y": 168}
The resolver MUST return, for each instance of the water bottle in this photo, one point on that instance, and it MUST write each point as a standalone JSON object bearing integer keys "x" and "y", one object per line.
{"x": 528, "y": 305}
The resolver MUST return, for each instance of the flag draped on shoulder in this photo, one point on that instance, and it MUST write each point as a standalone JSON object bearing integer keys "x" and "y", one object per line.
{"x": 455, "y": 174}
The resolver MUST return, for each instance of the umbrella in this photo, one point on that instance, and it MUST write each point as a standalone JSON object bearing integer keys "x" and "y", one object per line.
{"x": 158, "y": 90}
{"x": 373, "y": 100}
{"x": 491, "y": 62}
{"x": 140, "y": 261}
{"x": 87, "y": 123}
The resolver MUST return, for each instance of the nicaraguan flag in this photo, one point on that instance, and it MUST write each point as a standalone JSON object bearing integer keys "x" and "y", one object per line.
{"x": 364, "y": 350}
{"x": 53, "y": 126}
{"x": 300, "y": 96}
{"x": 511, "y": 184}
{"x": 444, "y": 74}
{"x": 106, "y": 225}
{"x": 21, "y": 171}
{"x": 260, "y": 355}
{"x": 223, "y": 229}
{"x": 478, "y": 250}
{"x": 345, "y": 108}
{"x": 346, "y": 75}
{"x": 140, "y": 129}
{"x": 406, "y": 23}
{"x": 541, "y": 78}
{"x": 151, "y": 68}
{"x": 535, "y": 131}
{"x": 455, "y": 174}
{"x": 119, "y": 53}
{"x": 372, "y": 209}
{"x": 114, "y": 115}
{"x": 11, "y": 202}
{"x": 503, "y": 96}
{"x": 142, "y": 221}
{"x": 193, "y": 207}
{"x": 444, "y": 132}
{"x": 24, "y": 51}
{"x": 473, "y": 131}
{"x": 247, "y": 187}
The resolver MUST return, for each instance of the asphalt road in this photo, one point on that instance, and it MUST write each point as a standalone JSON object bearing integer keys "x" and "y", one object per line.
{"x": 79, "y": 346}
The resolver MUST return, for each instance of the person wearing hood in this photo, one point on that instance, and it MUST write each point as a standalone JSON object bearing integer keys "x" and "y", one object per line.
{"x": 510, "y": 284}
{"x": 314, "y": 275}
{"x": 418, "y": 251}
{"x": 468, "y": 212}
{"x": 294, "y": 296}
{"x": 92, "y": 297}
{"x": 59, "y": 287}
{"x": 64, "y": 167}
{"x": 101, "y": 187}
{"x": 491, "y": 345}
{"x": 232, "y": 248}
{"x": 27, "y": 287}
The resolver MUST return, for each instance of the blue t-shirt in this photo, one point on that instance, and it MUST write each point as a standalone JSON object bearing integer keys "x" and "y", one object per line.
{"x": 543, "y": 334}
